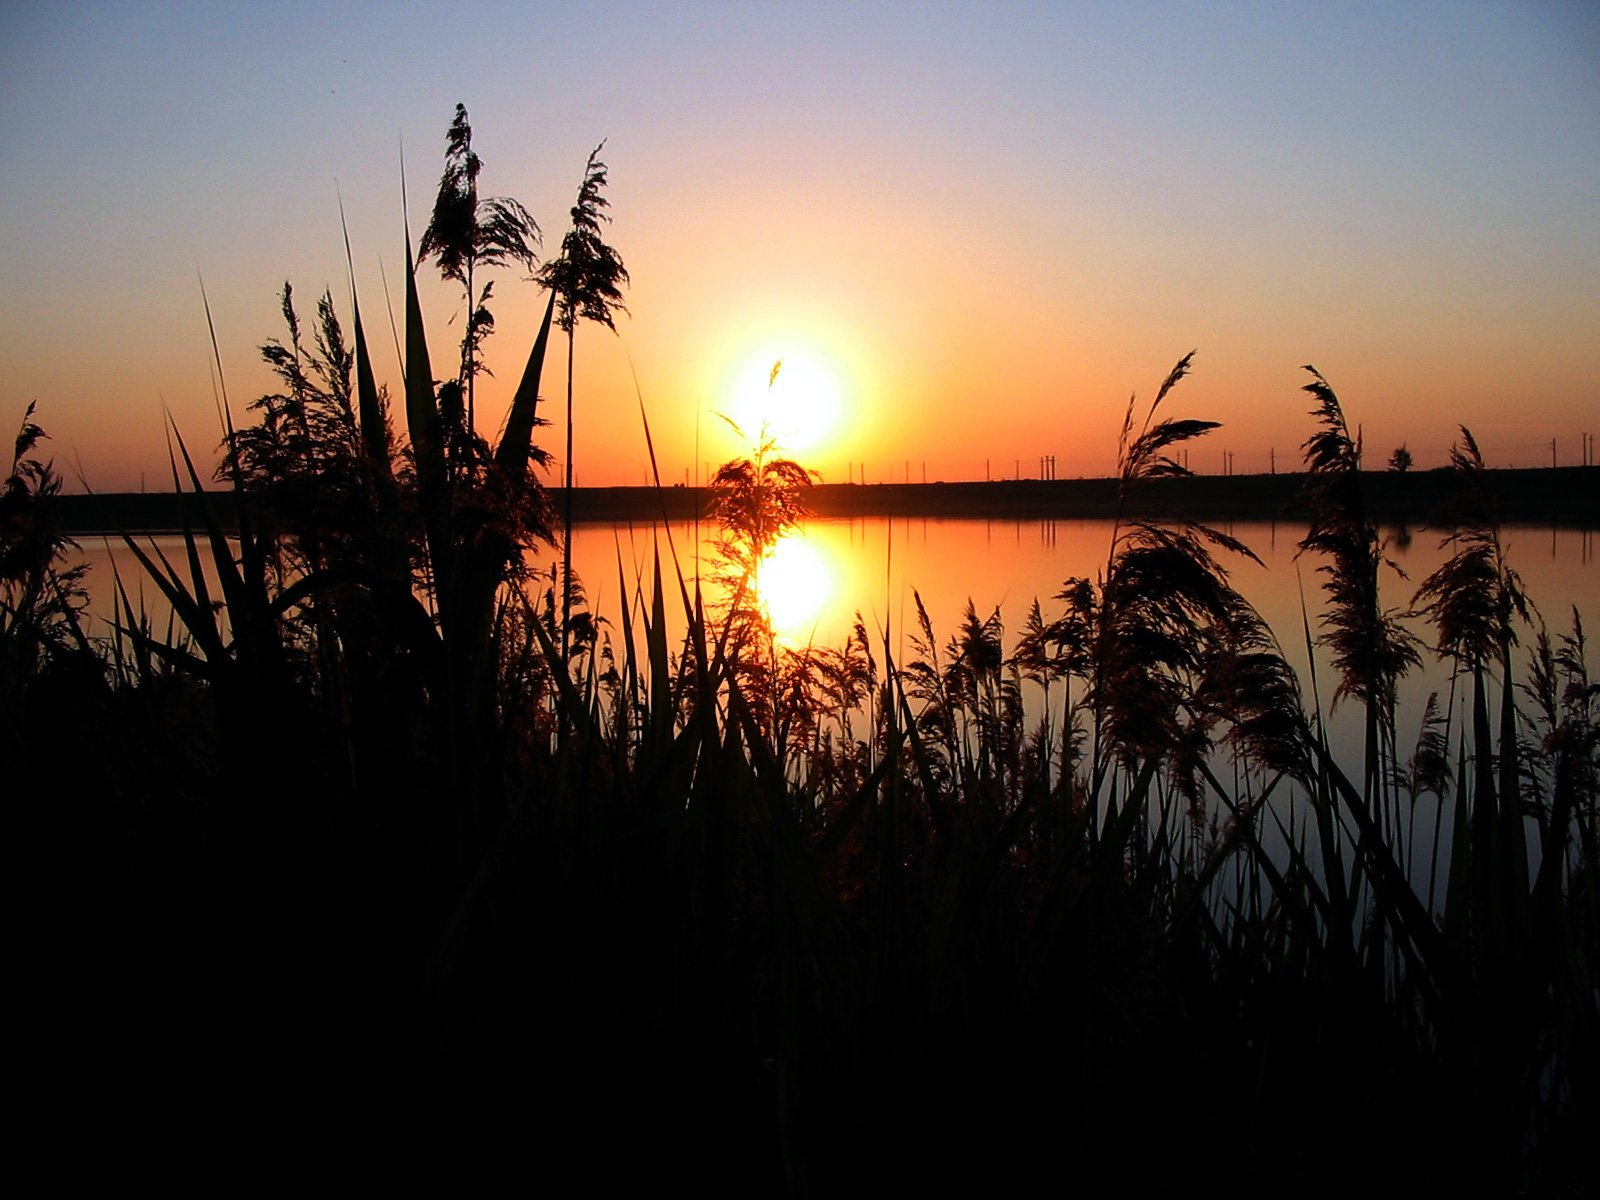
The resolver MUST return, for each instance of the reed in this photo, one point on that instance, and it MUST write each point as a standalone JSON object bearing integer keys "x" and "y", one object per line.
{"x": 418, "y": 893}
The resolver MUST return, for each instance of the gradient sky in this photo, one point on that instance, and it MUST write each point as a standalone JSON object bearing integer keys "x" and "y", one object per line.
{"x": 990, "y": 224}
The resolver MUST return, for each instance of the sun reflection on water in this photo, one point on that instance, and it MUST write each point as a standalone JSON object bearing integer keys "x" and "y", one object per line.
{"x": 796, "y": 583}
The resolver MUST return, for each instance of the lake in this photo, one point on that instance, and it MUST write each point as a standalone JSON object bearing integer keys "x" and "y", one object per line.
{"x": 824, "y": 574}
{"x": 821, "y": 576}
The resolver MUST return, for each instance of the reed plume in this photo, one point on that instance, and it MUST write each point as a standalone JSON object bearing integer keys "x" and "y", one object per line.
{"x": 1368, "y": 645}
{"x": 1172, "y": 640}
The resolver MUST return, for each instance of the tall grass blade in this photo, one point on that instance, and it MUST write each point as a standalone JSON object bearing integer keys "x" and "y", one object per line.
{"x": 511, "y": 456}
{"x": 427, "y": 439}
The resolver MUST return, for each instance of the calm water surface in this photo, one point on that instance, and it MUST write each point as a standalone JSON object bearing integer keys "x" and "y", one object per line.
{"x": 822, "y": 576}
{"x": 832, "y": 570}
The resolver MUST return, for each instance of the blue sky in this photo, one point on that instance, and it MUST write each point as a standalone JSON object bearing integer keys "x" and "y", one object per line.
{"x": 991, "y": 223}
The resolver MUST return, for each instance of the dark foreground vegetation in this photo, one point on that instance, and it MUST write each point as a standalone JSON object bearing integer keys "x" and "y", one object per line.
{"x": 372, "y": 868}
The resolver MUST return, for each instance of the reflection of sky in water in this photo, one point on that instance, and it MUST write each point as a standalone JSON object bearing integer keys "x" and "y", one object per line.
{"x": 826, "y": 573}
{"x": 878, "y": 567}
{"x": 819, "y": 578}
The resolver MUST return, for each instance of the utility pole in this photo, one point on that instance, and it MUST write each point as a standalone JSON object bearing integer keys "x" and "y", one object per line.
{"x": 1272, "y": 458}
{"x": 1552, "y": 452}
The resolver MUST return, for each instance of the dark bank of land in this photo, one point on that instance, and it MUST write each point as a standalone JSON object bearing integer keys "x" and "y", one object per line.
{"x": 1565, "y": 495}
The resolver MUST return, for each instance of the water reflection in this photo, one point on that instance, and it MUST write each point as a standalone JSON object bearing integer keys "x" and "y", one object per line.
{"x": 795, "y": 586}
{"x": 820, "y": 577}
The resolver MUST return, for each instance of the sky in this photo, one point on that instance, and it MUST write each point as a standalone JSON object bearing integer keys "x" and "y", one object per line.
{"x": 971, "y": 232}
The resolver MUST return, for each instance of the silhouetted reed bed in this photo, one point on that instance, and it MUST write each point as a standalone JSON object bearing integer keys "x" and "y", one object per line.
{"x": 350, "y": 873}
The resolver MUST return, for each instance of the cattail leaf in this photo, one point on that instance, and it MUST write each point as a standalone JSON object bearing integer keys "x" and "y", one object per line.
{"x": 1431, "y": 958}
{"x": 511, "y": 456}
{"x": 656, "y": 649}
{"x": 196, "y": 616}
{"x": 369, "y": 408}
{"x": 568, "y": 695}
{"x": 1457, "y": 921}
{"x": 1513, "y": 836}
{"x": 233, "y": 584}
{"x": 427, "y": 441}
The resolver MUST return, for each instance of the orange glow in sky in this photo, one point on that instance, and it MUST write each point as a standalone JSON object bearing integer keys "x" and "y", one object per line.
{"x": 969, "y": 233}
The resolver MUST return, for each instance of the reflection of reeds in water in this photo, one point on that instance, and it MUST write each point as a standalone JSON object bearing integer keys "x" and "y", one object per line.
{"x": 409, "y": 894}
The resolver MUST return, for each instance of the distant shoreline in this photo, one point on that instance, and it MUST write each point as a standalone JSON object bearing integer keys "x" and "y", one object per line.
{"x": 1547, "y": 495}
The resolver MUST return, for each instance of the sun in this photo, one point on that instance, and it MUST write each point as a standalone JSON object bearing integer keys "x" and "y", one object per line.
{"x": 792, "y": 398}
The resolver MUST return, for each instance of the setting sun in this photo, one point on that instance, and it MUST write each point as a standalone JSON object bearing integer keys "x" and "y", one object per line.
{"x": 792, "y": 398}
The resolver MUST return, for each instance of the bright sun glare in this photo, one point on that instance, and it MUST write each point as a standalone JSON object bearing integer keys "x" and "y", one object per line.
{"x": 795, "y": 584}
{"x": 797, "y": 408}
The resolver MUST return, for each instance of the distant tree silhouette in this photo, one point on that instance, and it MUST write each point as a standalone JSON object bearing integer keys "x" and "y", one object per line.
{"x": 465, "y": 233}
{"x": 1400, "y": 460}
{"x": 587, "y": 281}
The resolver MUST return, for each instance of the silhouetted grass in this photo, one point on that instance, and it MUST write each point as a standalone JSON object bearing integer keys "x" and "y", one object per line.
{"x": 354, "y": 873}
